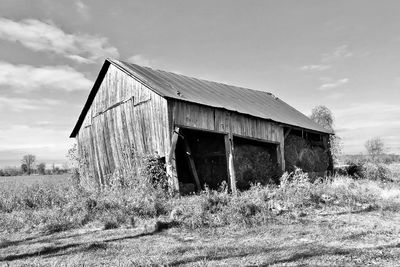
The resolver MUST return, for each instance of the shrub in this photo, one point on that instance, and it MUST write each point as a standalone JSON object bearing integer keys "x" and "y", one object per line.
{"x": 295, "y": 190}
{"x": 377, "y": 172}
{"x": 355, "y": 169}
{"x": 110, "y": 224}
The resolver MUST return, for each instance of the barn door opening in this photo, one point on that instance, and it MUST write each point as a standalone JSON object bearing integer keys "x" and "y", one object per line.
{"x": 255, "y": 162}
{"x": 200, "y": 160}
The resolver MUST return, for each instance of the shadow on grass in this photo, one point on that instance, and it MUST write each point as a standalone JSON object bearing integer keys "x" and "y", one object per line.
{"x": 367, "y": 209}
{"x": 79, "y": 246}
{"x": 40, "y": 239}
{"x": 294, "y": 253}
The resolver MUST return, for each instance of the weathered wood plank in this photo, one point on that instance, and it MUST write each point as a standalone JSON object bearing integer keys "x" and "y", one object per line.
{"x": 229, "y": 160}
{"x": 191, "y": 164}
{"x": 171, "y": 163}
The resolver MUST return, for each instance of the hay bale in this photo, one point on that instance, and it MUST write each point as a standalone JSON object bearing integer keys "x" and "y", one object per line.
{"x": 302, "y": 154}
{"x": 255, "y": 164}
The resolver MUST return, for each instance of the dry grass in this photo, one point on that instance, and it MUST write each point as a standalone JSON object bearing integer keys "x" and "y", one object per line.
{"x": 13, "y": 181}
{"x": 327, "y": 222}
{"x": 320, "y": 238}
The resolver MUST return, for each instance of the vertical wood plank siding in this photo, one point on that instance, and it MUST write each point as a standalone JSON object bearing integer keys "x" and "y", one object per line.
{"x": 135, "y": 127}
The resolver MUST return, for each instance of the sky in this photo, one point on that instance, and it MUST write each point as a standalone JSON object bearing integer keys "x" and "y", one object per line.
{"x": 341, "y": 54}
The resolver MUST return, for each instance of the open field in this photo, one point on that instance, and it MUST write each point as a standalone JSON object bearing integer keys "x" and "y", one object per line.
{"x": 12, "y": 181}
{"x": 319, "y": 239}
{"x": 331, "y": 222}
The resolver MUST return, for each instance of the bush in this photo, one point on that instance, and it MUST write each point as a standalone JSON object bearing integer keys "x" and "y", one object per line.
{"x": 355, "y": 169}
{"x": 377, "y": 172}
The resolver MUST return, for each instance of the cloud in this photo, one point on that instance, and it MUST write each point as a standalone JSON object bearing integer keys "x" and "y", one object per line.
{"x": 82, "y": 9}
{"x": 141, "y": 60}
{"x": 46, "y": 36}
{"x": 340, "y": 52}
{"x": 22, "y": 104}
{"x": 26, "y": 77}
{"x": 315, "y": 67}
{"x": 334, "y": 84}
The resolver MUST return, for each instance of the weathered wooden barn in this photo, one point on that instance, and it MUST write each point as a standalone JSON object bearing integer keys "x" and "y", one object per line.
{"x": 207, "y": 132}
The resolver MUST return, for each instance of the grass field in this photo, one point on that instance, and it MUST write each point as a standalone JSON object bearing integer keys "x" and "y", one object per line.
{"x": 317, "y": 239}
{"x": 339, "y": 222}
{"x": 12, "y": 181}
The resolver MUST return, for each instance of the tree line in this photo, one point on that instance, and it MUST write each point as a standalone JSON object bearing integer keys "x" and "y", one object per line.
{"x": 28, "y": 167}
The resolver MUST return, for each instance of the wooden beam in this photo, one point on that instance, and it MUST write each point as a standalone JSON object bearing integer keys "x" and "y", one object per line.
{"x": 171, "y": 163}
{"x": 229, "y": 161}
{"x": 281, "y": 155}
{"x": 266, "y": 141}
{"x": 191, "y": 164}
{"x": 288, "y": 132}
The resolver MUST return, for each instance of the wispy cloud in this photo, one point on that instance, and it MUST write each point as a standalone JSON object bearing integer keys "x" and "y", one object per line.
{"x": 27, "y": 77}
{"x": 340, "y": 52}
{"x": 334, "y": 84}
{"x": 315, "y": 67}
{"x": 82, "y": 9}
{"x": 46, "y": 36}
{"x": 327, "y": 59}
{"x": 141, "y": 60}
{"x": 22, "y": 104}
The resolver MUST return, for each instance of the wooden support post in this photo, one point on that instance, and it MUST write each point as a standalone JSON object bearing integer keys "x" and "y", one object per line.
{"x": 191, "y": 164}
{"x": 171, "y": 163}
{"x": 229, "y": 161}
{"x": 281, "y": 155}
{"x": 287, "y": 132}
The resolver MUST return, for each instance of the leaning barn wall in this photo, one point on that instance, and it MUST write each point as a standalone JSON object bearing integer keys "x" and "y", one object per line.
{"x": 126, "y": 119}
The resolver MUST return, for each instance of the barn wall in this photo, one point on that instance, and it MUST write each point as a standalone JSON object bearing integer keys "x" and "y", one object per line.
{"x": 207, "y": 118}
{"x": 126, "y": 118}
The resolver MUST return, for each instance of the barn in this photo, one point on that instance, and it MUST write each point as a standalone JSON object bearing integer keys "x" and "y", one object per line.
{"x": 205, "y": 132}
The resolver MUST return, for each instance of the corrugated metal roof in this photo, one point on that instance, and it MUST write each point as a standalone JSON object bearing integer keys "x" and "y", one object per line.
{"x": 246, "y": 101}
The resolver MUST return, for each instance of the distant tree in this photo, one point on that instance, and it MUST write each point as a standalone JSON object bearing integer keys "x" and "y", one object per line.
{"x": 29, "y": 161}
{"x": 375, "y": 147}
{"x": 56, "y": 170}
{"x": 41, "y": 168}
{"x": 324, "y": 117}
{"x": 24, "y": 168}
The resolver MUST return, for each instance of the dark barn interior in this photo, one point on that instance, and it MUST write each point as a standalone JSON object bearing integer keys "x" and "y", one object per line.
{"x": 207, "y": 151}
{"x": 255, "y": 161}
